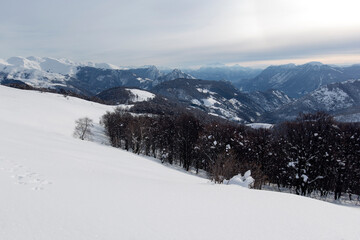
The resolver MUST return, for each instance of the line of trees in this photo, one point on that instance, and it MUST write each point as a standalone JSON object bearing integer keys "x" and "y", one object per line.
{"x": 314, "y": 153}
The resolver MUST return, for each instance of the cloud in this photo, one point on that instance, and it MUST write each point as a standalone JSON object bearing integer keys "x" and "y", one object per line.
{"x": 175, "y": 33}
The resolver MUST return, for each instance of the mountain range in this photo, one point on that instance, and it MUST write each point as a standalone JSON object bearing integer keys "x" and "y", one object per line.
{"x": 339, "y": 99}
{"x": 85, "y": 78}
{"x": 234, "y": 74}
{"x": 276, "y": 94}
{"x": 221, "y": 98}
{"x": 299, "y": 80}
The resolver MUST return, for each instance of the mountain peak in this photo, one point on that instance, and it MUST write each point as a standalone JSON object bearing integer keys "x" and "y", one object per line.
{"x": 314, "y": 63}
{"x": 175, "y": 74}
{"x": 178, "y": 71}
{"x": 286, "y": 66}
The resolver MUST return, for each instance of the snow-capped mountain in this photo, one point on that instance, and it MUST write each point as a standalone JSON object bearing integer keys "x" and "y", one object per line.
{"x": 299, "y": 80}
{"x": 84, "y": 78}
{"x": 337, "y": 99}
{"x": 44, "y": 72}
{"x": 38, "y": 72}
{"x": 49, "y": 65}
{"x": 222, "y": 99}
{"x": 175, "y": 74}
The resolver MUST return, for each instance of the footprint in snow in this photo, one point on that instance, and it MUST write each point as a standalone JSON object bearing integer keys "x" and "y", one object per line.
{"x": 24, "y": 176}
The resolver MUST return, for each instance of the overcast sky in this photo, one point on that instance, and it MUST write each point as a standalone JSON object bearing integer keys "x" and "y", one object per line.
{"x": 183, "y": 33}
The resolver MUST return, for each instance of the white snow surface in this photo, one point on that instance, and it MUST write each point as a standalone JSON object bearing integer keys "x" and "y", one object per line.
{"x": 243, "y": 181}
{"x": 196, "y": 102}
{"x": 57, "y": 187}
{"x": 209, "y": 102}
{"x": 260, "y": 125}
{"x": 140, "y": 95}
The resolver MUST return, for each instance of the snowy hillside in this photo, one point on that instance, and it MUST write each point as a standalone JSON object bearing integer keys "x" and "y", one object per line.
{"x": 140, "y": 95}
{"x": 57, "y": 187}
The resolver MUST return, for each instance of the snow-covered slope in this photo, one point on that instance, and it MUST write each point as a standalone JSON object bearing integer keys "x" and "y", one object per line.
{"x": 57, "y": 187}
{"x": 139, "y": 95}
{"x": 122, "y": 95}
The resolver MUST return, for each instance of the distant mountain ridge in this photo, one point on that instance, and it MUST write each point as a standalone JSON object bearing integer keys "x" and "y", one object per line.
{"x": 233, "y": 74}
{"x": 316, "y": 87}
{"x": 299, "y": 80}
{"x": 337, "y": 99}
{"x": 85, "y": 78}
{"x": 221, "y": 98}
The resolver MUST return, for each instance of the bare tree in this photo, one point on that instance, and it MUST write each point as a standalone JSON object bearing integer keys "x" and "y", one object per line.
{"x": 83, "y": 128}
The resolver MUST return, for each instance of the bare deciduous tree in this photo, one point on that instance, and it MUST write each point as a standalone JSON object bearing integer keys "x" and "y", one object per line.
{"x": 83, "y": 128}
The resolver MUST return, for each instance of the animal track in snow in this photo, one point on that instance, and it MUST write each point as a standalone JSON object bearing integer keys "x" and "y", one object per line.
{"x": 23, "y": 175}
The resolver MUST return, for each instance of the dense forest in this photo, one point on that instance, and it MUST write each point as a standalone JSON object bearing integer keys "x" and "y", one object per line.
{"x": 313, "y": 154}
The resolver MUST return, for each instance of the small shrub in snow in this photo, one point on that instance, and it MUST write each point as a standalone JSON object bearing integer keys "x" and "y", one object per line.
{"x": 83, "y": 128}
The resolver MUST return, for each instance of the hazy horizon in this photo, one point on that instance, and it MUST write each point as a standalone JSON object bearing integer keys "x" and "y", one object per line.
{"x": 194, "y": 67}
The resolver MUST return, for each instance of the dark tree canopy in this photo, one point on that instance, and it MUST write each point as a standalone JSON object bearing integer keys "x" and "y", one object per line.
{"x": 314, "y": 153}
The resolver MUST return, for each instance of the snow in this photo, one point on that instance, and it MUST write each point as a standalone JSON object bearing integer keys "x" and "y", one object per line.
{"x": 243, "y": 181}
{"x": 141, "y": 95}
{"x": 47, "y": 64}
{"x": 195, "y": 102}
{"x": 304, "y": 177}
{"x": 57, "y": 66}
{"x": 204, "y": 90}
{"x": 3, "y": 63}
{"x": 23, "y": 63}
{"x": 103, "y": 65}
{"x": 141, "y": 80}
{"x": 209, "y": 102}
{"x": 57, "y": 187}
{"x": 332, "y": 99}
{"x": 260, "y": 125}
{"x": 235, "y": 103}
{"x": 216, "y": 108}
